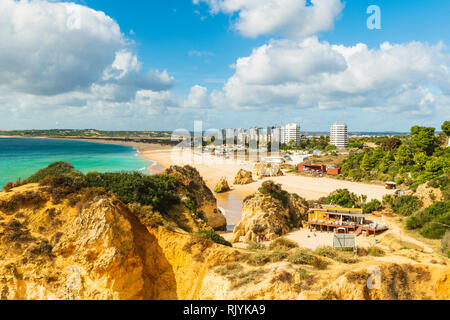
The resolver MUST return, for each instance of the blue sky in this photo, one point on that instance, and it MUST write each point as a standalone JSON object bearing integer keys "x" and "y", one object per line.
{"x": 167, "y": 30}
{"x": 176, "y": 61}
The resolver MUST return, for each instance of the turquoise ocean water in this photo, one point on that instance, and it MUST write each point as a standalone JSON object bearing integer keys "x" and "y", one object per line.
{"x": 20, "y": 158}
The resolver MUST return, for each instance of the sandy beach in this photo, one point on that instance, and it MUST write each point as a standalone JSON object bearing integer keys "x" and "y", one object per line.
{"x": 213, "y": 168}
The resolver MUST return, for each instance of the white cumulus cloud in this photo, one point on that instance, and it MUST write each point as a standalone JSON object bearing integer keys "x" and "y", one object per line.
{"x": 292, "y": 18}
{"x": 197, "y": 98}
{"x": 412, "y": 77}
{"x": 51, "y": 48}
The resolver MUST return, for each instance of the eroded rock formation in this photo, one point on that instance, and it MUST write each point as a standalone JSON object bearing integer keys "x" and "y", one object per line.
{"x": 270, "y": 212}
{"x": 193, "y": 186}
{"x": 243, "y": 177}
{"x": 265, "y": 170}
{"x": 222, "y": 186}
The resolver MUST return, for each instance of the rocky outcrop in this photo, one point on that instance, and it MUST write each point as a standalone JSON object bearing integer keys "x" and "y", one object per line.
{"x": 94, "y": 251}
{"x": 270, "y": 212}
{"x": 428, "y": 195}
{"x": 265, "y": 170}
{"x": 243, "y": 177}
{"x": 193, "y": 188}
{"x": 222, "y": 186}
{"x": 58, "y": 252}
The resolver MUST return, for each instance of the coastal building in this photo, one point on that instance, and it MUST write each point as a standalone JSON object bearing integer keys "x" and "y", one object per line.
{"x": 274, "y": 134}
{"x": 222, "y": 136}
{"x": 230, "y": 136}
{"x": 255, "y": 133}
{"x": 337, "y": 219}
{"x": 339, "y": 135}
{"x": 319, "y": 169}
{"x": 242, "y": 136}
{"x": 291, "y": 132}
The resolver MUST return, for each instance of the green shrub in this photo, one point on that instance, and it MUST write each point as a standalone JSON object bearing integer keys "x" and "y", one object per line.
{"x": 372, "y": 206}
{"x": 275, "y": 191}
{"x": 434, "y": 230}
{"x": 259, "y": 259}
{"x": 375, "y": 252}
{"x": 199, "y": 241}
{"x": 438, "y": 209}
{"x": 414, "y": 222}
{"x": 320, "y": 263}
{"x": 230, "y": 269}
{"x": 242, "y": 278}
{"x": 278, "y": 254}
{"x": 301, "y": 256}
{"x": 283, "y": 243}
{"x": 388, "y": 199}
{"x": 343, "y": 198}
{"x": 158, "y": 191}
{"x": 406, "y": 205}
{"x": 347, "y": 258}
{"x": 437, "y": 216}
{"x": 255, "y": 246}
{"x": 189, "y": 203}
{"x": 444, "y": 219}
{"x": 212, "y": 235}
{"x": 327, "y": 251}
{"x": 331, "y": 253}
{"x": 63, "y": 185}
{"x": 8, "y": 186}
{"x": 446, "y": 191}
{"x": 55, "y": 169}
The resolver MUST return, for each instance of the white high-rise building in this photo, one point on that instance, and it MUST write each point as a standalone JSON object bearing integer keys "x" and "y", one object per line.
{"x": 242, "y": 136}
{"x": 274, "y": 134}
{"x": 339, "y": 135}
{"x": 255, "y": 133}
{"x": 291, "y": 132}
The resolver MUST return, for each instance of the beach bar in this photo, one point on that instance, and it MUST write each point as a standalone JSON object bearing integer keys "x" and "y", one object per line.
{"x": 320, "y": 169}
{"x": 342, "y": 220}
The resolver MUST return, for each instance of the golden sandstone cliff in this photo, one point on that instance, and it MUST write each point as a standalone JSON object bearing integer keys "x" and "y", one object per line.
{"x": 270, "y": 212}
{"x": 93, "y": 246}
{"x": 192, "y": 185}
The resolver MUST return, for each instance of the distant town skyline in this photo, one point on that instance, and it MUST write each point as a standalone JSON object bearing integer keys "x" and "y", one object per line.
{"x": 161, "y": 65}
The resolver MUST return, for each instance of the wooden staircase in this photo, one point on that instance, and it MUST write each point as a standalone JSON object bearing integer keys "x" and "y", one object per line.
{"x": 359, "y": 231}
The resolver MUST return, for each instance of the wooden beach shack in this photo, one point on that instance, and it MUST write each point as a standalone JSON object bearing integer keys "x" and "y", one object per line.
{"x": 342, "y": 220}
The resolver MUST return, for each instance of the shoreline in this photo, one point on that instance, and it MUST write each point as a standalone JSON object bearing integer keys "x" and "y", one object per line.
{"x": 213, "y": 168}
{"x": 140, "y": 148}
